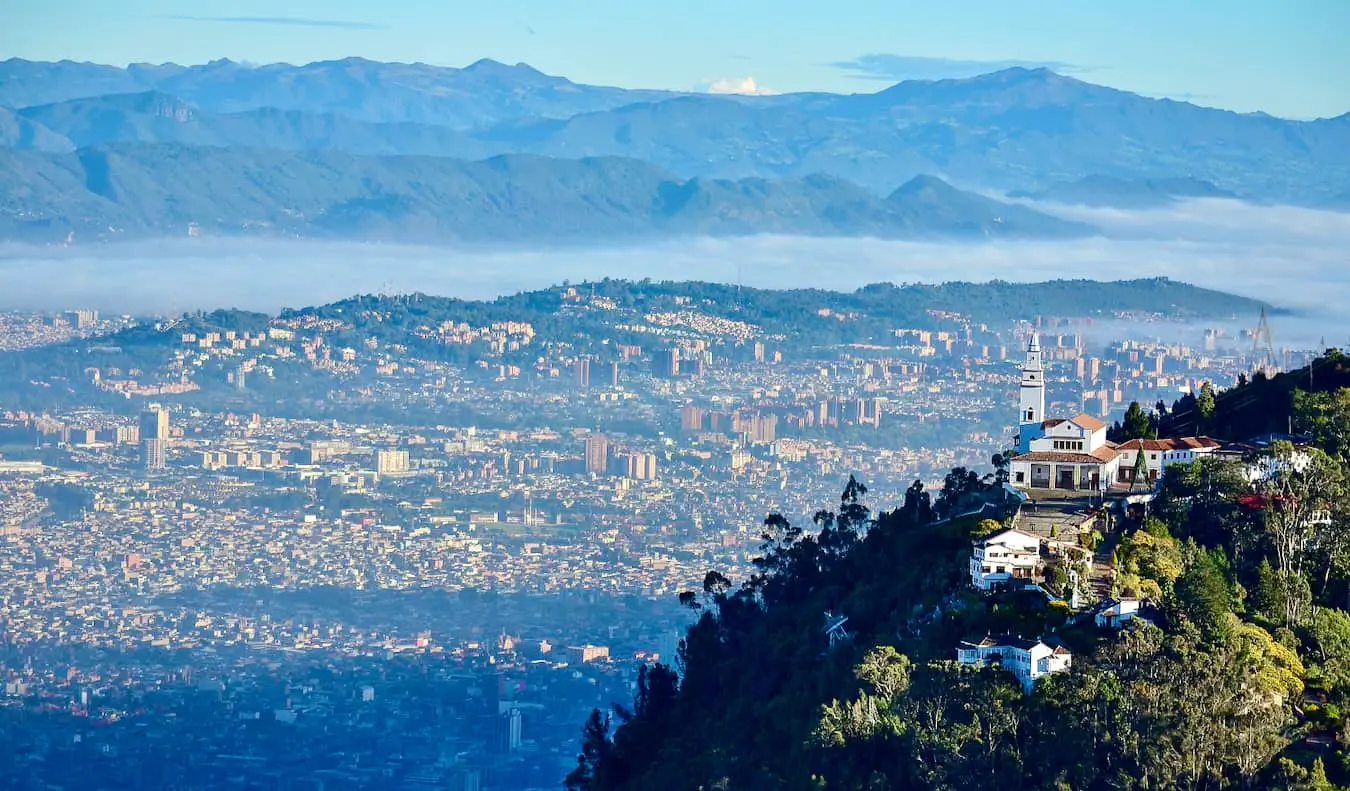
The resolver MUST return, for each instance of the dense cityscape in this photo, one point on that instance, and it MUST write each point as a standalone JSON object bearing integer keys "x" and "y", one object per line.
{"x": 474, "y": 536}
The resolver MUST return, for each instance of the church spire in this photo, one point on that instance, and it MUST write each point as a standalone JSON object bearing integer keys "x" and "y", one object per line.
{"x": 1031, "y": 400}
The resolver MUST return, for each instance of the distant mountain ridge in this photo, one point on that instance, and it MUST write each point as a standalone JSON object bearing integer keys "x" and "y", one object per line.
{"x": 482, "y": 94}
{"x": 137, "y": 190}
{"x": 1019, "y": 129}
{"x": 1124, "y": 193}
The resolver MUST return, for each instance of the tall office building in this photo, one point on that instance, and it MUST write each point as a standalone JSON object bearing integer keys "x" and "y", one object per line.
{"x": 691, "y": 419}
{"x": 597, "y": 454}
{"x": 669, "y": 363}
{"x": 581, "y": 374}
{"x": 613, "y": 374}
{"x": 391, "y": 462}
{"x": 154, "y": 436}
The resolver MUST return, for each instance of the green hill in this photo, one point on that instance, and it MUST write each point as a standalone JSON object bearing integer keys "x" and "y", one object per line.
{"x": 1208, "y": 694}
{"x": 1261, "y": 405}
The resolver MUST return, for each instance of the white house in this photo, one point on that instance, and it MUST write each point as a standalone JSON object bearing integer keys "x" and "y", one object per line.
{"x": 1003, "y": 556}
{"x": 1067, "y": 454}
{"x": 1029, "y": 660}
{"x": 1115, "y": 613}
{"x": 1159, "y": 454}
{"x": 1258, "y": 459}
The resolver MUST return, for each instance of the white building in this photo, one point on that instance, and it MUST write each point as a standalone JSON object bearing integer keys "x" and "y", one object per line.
{"x": 1029, "y": 660}
{"x": 1115, "y": 613}
{"x": 1057, "y": 453}
{"x": 1159, "y": 454}
{"x": 1031, "y": 406}
{"x": 391, "y": 462}
{"x": 1003, "y": 556}
{"x": 1066, "y": 454}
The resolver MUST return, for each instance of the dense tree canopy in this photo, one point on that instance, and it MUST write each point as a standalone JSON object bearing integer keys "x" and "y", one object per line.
{"x": 1237, "y": 676}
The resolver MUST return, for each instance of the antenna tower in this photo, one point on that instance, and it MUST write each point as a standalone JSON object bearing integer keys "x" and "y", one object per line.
{"x": 1263, "y": 348}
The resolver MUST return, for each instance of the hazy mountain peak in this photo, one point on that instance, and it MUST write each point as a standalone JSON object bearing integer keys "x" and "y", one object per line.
{"x": 924, "y": 182}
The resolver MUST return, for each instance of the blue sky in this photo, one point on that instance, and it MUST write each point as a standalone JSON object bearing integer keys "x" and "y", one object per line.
{"x": 1287, "y": 58}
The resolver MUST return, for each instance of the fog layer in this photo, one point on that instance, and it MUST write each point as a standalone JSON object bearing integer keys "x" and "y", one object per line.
{"x": 1294, "y": 258}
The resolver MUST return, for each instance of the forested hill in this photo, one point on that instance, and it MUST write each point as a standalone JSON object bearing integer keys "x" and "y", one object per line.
{"x": 1262, "y": 405}
{"x": 1238, "y": 678}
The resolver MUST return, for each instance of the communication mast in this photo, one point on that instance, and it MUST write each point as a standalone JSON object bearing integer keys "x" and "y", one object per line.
{"x": 1263, "y": 348}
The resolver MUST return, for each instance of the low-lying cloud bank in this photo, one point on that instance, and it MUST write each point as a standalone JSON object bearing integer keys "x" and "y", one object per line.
{"x": 1294, "y": 258}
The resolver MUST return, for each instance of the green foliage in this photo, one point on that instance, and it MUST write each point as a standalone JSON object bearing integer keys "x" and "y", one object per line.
{"x": 1325, "y": 416}
{"x": 1329, "y": 632}
{"x": 1136, "y": 424}
{"x": 1264, "y": 405}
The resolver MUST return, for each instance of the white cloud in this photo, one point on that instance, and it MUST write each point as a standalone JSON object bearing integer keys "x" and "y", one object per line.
{"x": 736, "y": 85}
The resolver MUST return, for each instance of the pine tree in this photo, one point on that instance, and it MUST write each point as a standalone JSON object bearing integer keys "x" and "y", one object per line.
{"x": 1141, "y": 471}
{"x": 1136, "y": 424}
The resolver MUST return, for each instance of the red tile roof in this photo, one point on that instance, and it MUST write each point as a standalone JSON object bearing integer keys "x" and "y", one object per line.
{"x": 1098, "y": 456}
{"x": 1172, "y": 443}
{"x": 1088, "y": 422}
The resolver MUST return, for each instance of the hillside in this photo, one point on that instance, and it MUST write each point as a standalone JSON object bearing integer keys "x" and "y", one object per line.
{"x": 481, "y": 94}
{"x": 1262, "y": 405}
{"x": 1205, "y": 693}
{"x": 128, "y": 191}
{"x": 1017, "y": 129}
{"x": 1125, "y": 193}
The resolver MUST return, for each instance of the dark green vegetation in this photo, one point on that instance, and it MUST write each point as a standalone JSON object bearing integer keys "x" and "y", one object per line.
{"x": 1241, "y": 680}
{"x": 1267, "y": 405}
{"x": 127, "y": 190}
{"x": 1014, "y": 129}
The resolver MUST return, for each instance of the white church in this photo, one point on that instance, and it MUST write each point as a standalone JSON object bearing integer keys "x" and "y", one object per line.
{"x": 1055, "y": 453}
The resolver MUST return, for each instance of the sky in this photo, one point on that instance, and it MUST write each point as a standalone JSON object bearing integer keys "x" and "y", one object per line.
{"x": 1285, "y": 58}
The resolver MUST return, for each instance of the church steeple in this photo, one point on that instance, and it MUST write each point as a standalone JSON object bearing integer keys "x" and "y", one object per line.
{"x": 1031, "y": 404}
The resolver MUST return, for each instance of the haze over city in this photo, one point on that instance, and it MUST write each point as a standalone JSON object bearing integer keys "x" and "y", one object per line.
{"x": 615, "y": 397}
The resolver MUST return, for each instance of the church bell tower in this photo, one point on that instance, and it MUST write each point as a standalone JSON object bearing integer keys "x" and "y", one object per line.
{"x": 1031, "y": 408}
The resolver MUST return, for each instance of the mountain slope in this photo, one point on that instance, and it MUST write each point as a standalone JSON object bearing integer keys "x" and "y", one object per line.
{"x": 138, "y": 190}
{"x": 1023, "y": 129}
{"x": 17, "y": 131}
{"x": 999, "y": 131}
{"x": 482, "y": 94}
{"x": 155, "y": 117}
{"x": 1124, "y": 193}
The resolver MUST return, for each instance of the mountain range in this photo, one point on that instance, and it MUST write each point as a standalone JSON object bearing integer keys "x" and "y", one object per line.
{"x": 1029, "y": 133}
{"x": 135, "y": 190}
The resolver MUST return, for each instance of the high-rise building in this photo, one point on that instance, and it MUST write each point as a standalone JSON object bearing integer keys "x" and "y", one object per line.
{"x": 509, "y": 730}
{"x": 614, "y": 374}
{"x": 81, "y": 318}
{"x": 669, "y": 363}
{"x": 154, "y": 433}
{"x": 597, "y": 454}
{"x": 640, "y": 466}
{"x": 391, "y": 462}
{"x": 691, "y": 419}
{"x": 581, "y": 374}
